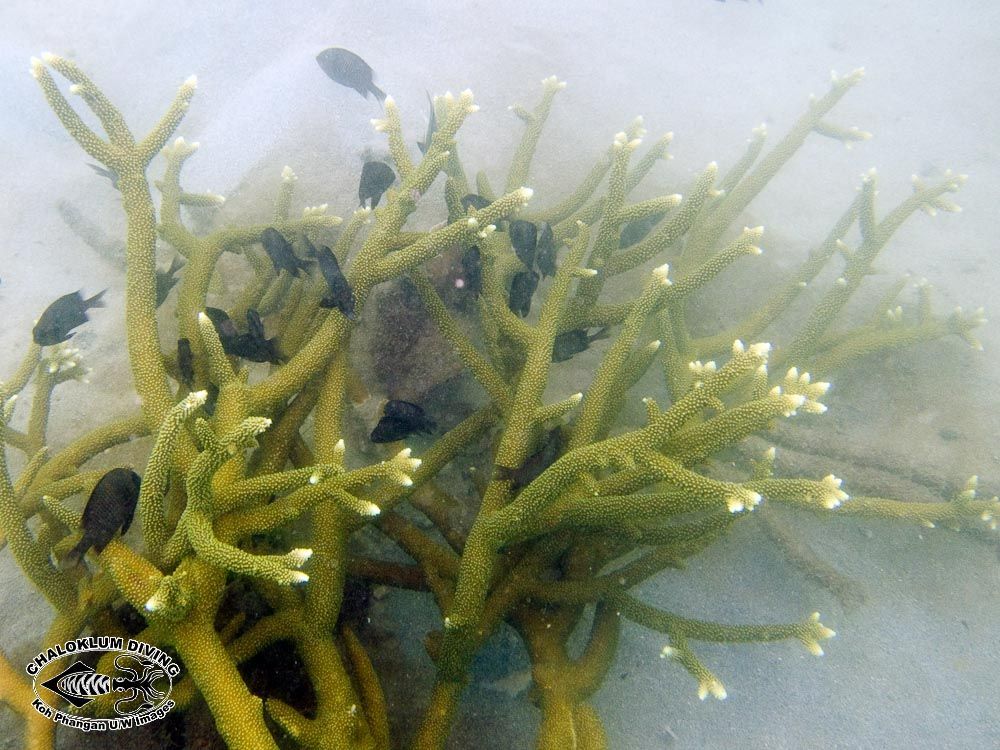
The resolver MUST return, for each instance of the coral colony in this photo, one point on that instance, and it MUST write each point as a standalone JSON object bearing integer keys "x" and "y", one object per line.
{"x": 576, "y": 507}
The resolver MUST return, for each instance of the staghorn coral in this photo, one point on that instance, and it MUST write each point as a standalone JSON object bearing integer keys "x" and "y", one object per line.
{"x": 618, "y": 504}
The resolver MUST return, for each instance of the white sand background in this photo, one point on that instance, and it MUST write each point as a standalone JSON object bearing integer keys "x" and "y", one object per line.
{"x": 918, "y": 665}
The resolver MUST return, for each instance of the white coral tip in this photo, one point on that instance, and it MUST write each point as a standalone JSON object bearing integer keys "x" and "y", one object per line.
{"x": 297, "y": 576}
{"x": 738, "y": 347}
{"x": 661, "y": 272}
{"x": 299, "y": 555}
{"x": 526, "y": 193}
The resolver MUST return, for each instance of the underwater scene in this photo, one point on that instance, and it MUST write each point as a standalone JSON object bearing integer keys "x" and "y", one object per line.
{"x": 499, "y": 375}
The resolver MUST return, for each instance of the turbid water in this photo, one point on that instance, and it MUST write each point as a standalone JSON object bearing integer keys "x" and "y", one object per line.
{"x": 914, "y": 665}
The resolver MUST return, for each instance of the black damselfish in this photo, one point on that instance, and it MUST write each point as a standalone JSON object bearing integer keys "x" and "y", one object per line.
{"x": 254, "y": 345}
{"x": 432, "y": 124}
{"x": 376, "y": 177}
{"x": 524, "y": 239}
{"x": 545, "y": 255}
{"x": 399, "y": 420}
{"x": 166, "y": 280}
{"x": 534, "y": 464}
{"x": 279, "y": 250}
{"x": 185, "y": 362}
{"x": 571, "y": 343}
{"x": 225, "y": 328}
{"x": 522, "y": 288}
{"x": 472, "y": 270}
{"x": 62, "y": 316}
{"x": 341, "y": 295}
{"x": 110, "y": 507}
{"x": 347, "y": 69}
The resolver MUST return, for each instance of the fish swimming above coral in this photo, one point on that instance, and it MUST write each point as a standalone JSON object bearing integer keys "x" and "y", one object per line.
{"x": 376, "y": 177}
{"x": 399, "y": 420}
{"x": 109, "y": 508}
{"x": 341, "y": 295}
{"x": 347, "y": 69}
{"x": 279, "y": 250}
{"x": 62, "y": 316}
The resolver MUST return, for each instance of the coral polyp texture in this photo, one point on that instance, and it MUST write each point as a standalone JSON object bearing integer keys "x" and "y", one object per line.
{"x": 258, "y": 481}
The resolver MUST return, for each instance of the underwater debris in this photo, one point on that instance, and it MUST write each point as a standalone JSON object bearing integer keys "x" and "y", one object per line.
{"x": 62, "y": 316}
{"x": 347, "y": 69}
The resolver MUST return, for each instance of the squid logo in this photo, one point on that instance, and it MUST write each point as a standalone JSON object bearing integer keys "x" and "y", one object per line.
{"x": 138, "y": 687}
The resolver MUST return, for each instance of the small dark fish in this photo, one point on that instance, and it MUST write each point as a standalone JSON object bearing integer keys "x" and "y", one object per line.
{"x": 254, "y": 345}
{"x": 472, "y": 270}
{"x": 399, "y": 420}
{"x": 225, "y": 328}
{"x": 279, "y": 250}
{"x": 62, "y": 316}
{"x": 185, "y": 362}
{"x": 521, "y": 288}
{"x": 571, "y": 343}
{"x": 524, "y": 239}
{"x": 545, "y": 257}
{"x": 212, "y": 396}
{"x": 109, "y": 508}
{"x": 636, "y": 231}
{"x": 166, "y": 280}
{"x": 347, "y": 69}
{"x": 341, "y": 295}
{"x": 432, "y": 125}
{"x": 477, "y": 202}
{"x": 376, "y": 177}
{"x": 110, "y": 174}
{"x": 535, "y": 464}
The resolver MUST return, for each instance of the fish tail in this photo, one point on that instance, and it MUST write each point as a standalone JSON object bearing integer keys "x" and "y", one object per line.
{"x": 379, "y": 93}
{"x": 96, "y": 300}
{"x": 72, "y": 558}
